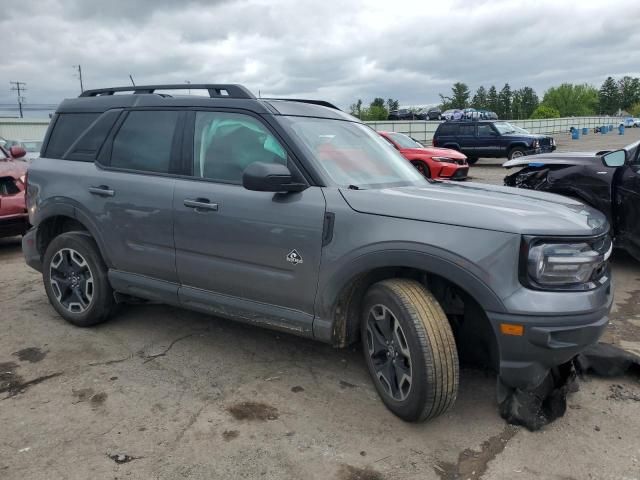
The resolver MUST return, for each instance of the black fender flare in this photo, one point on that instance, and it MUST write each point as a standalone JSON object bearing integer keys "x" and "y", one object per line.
{"x": 66, "y": 207}
{"x": 457, "y": 270}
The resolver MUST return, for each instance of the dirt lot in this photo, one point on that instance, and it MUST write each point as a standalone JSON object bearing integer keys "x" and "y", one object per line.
{"x": 162, "y": 393}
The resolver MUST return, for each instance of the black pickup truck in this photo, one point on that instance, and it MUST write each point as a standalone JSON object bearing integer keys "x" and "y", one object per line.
{"x": 487, "y": 138}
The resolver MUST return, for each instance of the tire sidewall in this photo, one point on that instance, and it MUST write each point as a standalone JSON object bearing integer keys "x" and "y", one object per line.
{"x": 102, "y": 300}
{"x": 516, "y": 149}
{"x": 420, "y": 382}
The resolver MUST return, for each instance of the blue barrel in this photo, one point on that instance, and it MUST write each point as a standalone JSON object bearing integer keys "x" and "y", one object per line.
{"x": 604, "y": 129}
{"x": 621, "y": 129}
{"x": 575, "y": 134}
{"x": 585, "y": 130}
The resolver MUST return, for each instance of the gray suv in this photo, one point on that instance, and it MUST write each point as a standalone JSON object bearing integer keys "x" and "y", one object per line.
{"x": 293, "y": 215}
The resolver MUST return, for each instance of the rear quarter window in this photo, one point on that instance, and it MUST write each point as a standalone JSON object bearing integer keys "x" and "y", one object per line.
{"x": 66, "y": 130}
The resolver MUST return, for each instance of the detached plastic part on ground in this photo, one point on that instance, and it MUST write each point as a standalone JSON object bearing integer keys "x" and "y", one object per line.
{"x": 536, "y": 408}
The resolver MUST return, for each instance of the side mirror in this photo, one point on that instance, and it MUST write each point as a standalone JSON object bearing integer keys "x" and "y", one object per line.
{"x": 615, "y": 159}
{"x": 17, "y": 152}
{"x": 270, "y": 177}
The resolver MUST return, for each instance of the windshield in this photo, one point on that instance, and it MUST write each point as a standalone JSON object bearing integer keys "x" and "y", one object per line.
{"x": 520, "y": 129}
{"x": 504, "y": 127}
{"x": 352, "y": 154}
{"x": 404, "y": 141}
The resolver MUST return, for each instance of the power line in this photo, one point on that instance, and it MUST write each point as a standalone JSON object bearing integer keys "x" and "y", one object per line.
{"x": 19, "y": 87}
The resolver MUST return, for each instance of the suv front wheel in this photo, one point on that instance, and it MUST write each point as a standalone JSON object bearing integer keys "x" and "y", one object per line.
{"x": 517, "y": 152}
{"x": 409, "y": 349}
{"x": 75, "y": 279}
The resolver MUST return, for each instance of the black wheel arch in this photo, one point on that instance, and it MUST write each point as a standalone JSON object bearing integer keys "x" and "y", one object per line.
{"x": 57, "y": 218}
{"x": 339, "y": 297}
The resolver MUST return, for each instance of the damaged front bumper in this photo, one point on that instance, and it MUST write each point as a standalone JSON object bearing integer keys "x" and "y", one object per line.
{"x": 547, "y": 341}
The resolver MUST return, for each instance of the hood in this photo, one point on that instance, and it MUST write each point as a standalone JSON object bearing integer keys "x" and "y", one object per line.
{"x": 435, "y": 152}
{"x": 486, "y": 207}
{"x": 565, "y": 158}
{"x": 12, "y": 168}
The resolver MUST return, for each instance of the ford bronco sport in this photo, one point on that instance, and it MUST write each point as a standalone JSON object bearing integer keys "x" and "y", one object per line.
{"x": 293, "y": 215}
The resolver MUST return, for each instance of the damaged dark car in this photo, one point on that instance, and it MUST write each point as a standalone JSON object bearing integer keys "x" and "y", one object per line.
{"x": 608, "y": 180}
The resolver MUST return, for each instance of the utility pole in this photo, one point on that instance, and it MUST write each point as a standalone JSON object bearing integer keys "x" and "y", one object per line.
{"x": 188, "y": 82}
{"x": 19, "y": 87}
{"x": 79, "y": 68}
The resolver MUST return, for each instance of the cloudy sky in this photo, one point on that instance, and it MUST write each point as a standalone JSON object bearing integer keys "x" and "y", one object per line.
{"x": 332, "y": 50}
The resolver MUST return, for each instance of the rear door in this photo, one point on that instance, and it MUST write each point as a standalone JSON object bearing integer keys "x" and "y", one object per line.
{"x": 129, "y": 193}
{"x": 245, "y": 254}
{"x": 466, "y": 138}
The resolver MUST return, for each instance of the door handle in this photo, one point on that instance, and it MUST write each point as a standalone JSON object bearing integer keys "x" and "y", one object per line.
{"x": 102, "y": 191}
{"x": 201, "y": 204}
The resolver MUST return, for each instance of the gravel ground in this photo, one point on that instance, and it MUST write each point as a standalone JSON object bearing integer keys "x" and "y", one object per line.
{"x": 162, "y": 393}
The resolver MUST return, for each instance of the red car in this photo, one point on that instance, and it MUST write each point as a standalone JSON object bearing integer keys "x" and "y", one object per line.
{"x": 432, "y": 162}
{"x": 14, "y": 219}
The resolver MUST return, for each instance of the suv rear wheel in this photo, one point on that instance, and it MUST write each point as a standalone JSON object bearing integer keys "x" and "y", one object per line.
{"x": 517, "y": 152}
{"x": 75, "y": 279}
{"x": 409, "y": 349}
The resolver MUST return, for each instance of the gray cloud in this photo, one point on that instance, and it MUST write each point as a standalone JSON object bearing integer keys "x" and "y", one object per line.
{"x": 338, "y": 51}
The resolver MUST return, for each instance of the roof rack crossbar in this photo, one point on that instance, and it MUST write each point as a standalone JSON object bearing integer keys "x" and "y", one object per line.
{"x": 214, "y": 90}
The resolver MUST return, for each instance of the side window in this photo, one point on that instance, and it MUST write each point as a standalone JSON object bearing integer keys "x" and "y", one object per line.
{"x": 89, "y": 143}
{"x": 66, "y": 130}
{"x": 224, "y": 144}
{"x": 466, "y": 130}
{"x": 447, "y": 129}
{"x": 484, "y": 130}
{"x": 144, "y": 141}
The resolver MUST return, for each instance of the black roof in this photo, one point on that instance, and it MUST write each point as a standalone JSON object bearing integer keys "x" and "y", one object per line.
{"x": 220, "y": 95}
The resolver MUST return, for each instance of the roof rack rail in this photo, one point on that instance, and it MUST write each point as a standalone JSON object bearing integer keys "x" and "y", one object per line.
{"x": 303, "y": 100}
{"x": 215, "y": 90}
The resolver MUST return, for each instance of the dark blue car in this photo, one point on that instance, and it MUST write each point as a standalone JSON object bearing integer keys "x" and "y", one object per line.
{"x": 487, "y": 138}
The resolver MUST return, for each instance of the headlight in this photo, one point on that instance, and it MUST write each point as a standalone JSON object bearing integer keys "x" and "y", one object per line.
{"x": 444, "y": 159}
{"x": 23, "y": 179}
{"x": 574, "y": 265}
{"x": 536, "y": 144}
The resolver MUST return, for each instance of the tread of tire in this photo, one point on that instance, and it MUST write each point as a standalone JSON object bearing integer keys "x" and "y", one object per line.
{"x": 437, "y": 340}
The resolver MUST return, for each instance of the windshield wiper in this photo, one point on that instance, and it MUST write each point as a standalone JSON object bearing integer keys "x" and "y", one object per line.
{"x": 353, "y": 187}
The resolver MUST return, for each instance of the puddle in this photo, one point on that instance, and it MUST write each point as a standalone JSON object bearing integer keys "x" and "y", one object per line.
{"x": 348, "y": 472}
{"x": 472, "y": 464}
{"x": 30, "y": 354}
{"x": 253, "y": 411}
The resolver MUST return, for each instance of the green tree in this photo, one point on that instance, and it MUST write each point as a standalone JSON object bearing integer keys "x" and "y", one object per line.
{"x": 356, "y": 109}
{"x": 377, "y": 102}
{"x": 479, "y": 100}
{"x": 544, "y": 111}
{"x": 392, "y": 104}
{"x": 516, "y": 105}
{"x": 504, "y": 102}
{"x": 635, "y": 110}
{"x": 629, "y": 91}
{"x": 459, "y": 97}
{"x": 493, "y": 103}
{"x": 529, "y": 101}
{"x": 572, "y": 100}
{"x": 608, "y": 97}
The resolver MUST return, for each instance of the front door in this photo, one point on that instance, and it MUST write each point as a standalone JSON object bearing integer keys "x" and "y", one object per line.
{"x": 240, "y": 253}
{"x": 487, "y": 141}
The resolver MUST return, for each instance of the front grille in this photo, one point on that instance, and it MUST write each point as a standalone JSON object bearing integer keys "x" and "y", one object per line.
{"x": 460, "y": 173}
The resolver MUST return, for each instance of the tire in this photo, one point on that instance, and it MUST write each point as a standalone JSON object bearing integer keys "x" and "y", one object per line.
{"x": 422, "y": 167}
{"x": 75, "y": 279}
{"x": 517, "y": 152}
{"x": 423, "y": 349}
{"x": 472, "y": 160}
